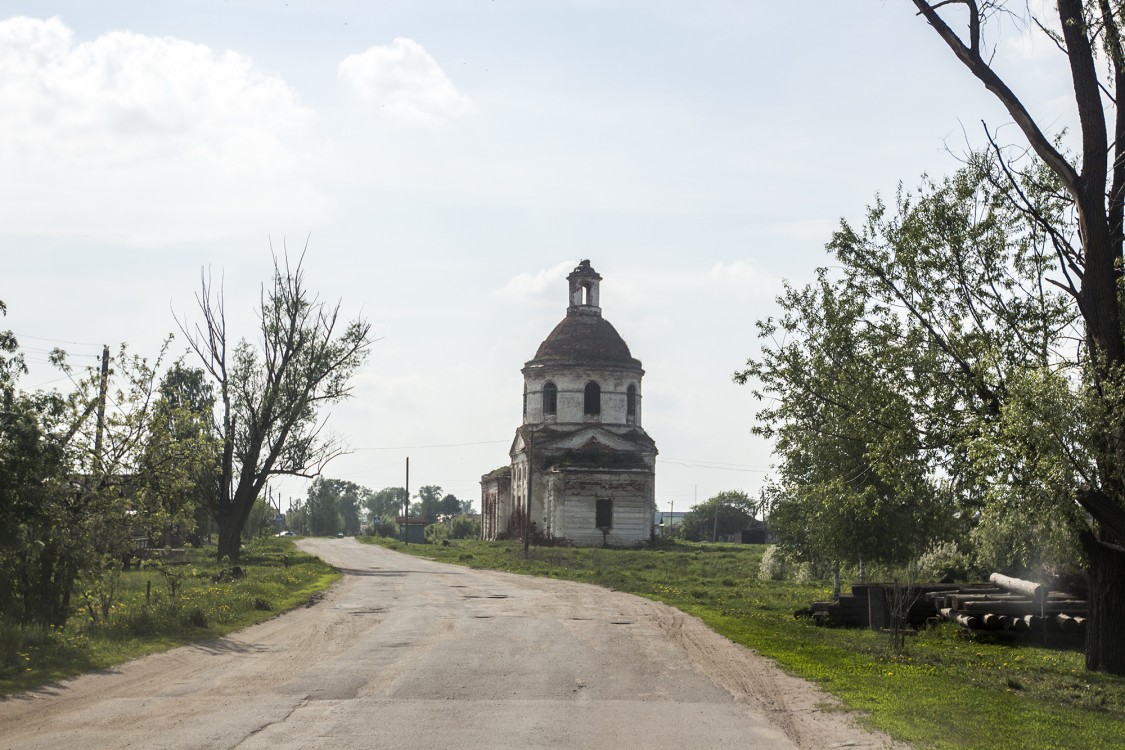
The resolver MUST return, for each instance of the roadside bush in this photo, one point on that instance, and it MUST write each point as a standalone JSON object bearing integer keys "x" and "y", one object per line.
{"x": 944, "y": 559}
{"x": 436, "y": 533}
{"x": 140, "y": 620}
{"x": 808, "y": 572}
{"x": 16, "y": 642}
{"x": 775, "y": 565}
{"x": 385, "y": 526}
{"x": 196, "y": 617}
{"x": 464, "y": 527}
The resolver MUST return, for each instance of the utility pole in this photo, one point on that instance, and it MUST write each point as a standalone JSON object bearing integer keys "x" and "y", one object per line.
{"x": 103, "y": 386}
{"x": 671, "y": 528}
{"x": 406, "y": 506}
{"x": 715, "y": 533}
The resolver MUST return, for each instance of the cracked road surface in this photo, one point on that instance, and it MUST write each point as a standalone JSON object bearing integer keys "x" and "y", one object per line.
{"x": 408, "y": 653}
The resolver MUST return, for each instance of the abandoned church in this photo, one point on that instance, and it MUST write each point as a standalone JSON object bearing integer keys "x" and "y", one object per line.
{"x": 582, "y": 467}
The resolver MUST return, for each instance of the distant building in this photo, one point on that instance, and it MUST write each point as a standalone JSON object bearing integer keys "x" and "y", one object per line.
{"x": 581, "y": 459}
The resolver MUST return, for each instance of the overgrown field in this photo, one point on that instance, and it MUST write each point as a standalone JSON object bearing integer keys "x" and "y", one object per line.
{"x": 942, "y": 691}
{"x": 159, "y": 607}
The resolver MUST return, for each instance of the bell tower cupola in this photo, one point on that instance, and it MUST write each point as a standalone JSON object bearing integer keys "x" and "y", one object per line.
{"x": 584, "y": 282}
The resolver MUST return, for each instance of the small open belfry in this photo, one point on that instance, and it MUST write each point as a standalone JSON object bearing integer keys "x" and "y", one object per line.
{"x": 582, "y": 467}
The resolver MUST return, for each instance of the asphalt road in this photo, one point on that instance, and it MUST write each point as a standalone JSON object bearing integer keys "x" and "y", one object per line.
{"x": 407, "y": 653}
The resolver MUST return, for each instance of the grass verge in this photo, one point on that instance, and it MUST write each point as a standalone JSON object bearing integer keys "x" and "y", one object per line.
{"x": 942, "y": 691}
{"x": 147, "y": 616}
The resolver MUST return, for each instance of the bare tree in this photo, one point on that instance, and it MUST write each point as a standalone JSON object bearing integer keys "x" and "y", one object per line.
{"x": 1089, "y": 38}
{"x": 270, "y": 393}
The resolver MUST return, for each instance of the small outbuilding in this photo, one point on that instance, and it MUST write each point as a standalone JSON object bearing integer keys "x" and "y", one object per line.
{"x": 412, "y": 530}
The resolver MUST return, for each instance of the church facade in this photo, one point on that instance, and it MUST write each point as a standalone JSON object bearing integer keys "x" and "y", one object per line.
{"x": 582, "y": 467}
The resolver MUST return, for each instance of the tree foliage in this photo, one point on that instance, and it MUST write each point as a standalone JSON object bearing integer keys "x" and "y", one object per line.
{"x": 898, "y": 386}
{"x": 39, "y": 562}
{"x": 331, "y": 506}
{"x": 388, "y": 501}
{"x": 1088, "y": 244}
{"x": 80, "y": 482}
{"x": 736, "y": 511}
{"x": 429, "y": 503}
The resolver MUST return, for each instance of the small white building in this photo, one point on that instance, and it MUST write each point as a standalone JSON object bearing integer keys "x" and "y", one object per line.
{"x": 581, "y": 460}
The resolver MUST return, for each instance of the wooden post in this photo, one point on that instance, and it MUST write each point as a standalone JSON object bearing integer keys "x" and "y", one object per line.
{"x": 406, "y": 506}
{"x": 103, "y": 386}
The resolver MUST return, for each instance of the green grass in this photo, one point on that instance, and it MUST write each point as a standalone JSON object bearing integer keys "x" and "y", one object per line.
{"x": 146, "y": 617}
{"x": 942, "y": 691}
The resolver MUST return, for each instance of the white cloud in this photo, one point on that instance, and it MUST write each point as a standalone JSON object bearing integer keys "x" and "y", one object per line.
{"x": 167, "y": 136}
{"x": 405, "y": 82}
{"x": 548, "y": 283}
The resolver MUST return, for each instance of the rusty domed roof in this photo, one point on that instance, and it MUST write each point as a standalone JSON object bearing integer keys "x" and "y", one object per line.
{"x": 585, "y": 339}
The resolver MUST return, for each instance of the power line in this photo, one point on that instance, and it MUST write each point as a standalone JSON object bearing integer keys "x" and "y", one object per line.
{"x": 420, "y": 447}
{"x": 56, "y": 341}
{"x": 712, "y": 466}
{"x": 40, "y": 385}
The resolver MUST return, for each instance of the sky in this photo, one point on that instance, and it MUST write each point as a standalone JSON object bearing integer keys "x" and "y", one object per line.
{"x": 447, "y": 163}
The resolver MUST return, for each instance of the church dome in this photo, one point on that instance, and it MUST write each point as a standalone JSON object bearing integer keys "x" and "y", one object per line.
{"x": 584, "y": 337}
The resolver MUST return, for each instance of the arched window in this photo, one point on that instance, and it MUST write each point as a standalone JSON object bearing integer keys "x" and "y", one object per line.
{"x": 525, "y": 400}
{"x": 593, "y": 400}
{"x": 550, "y": 398}
{"x": 631, "y": 403}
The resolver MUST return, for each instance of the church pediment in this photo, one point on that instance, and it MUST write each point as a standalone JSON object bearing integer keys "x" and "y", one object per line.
{"x": 591, "y": 438}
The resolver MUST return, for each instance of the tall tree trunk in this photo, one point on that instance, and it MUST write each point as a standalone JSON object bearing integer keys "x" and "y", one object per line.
{"x": 1105, "y": 630}
{"x": 230, "y": 534}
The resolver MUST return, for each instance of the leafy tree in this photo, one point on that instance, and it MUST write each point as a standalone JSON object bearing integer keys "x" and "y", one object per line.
{"x": 450, "y": 506}
{"x": 892, "y": 382}
{"x": 38, "y": 561}
{"x": 386, "y": 502}
{"x": 428, "y": 505}
{"x": 176, "y": 471}
{"x": 322, "y": 506}
{"x": 270, "y": 394}
{"x": 349, "y": 513}
{"x": 1088, "y": 268}
{"x": 258, "y": 522}
{"x": 735, "y": 509}
{"x": 332, "y": 506}
{"x": 79, "y": 489}
{"x": 854, "y": 480}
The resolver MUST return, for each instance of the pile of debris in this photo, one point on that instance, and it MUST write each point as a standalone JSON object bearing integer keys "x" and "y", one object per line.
{"x": 871, "y": 605}
{"x": 1004, "y": 604}
{"x": 1012, "y": 604}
